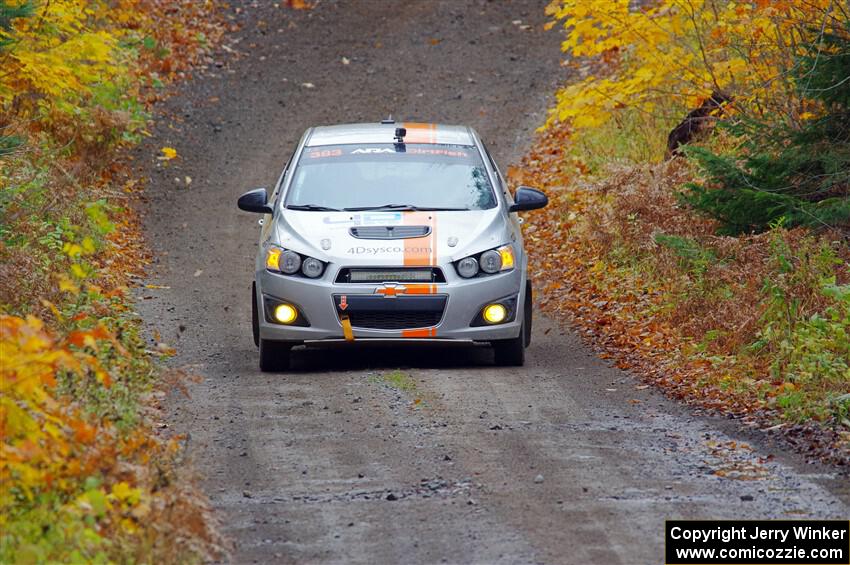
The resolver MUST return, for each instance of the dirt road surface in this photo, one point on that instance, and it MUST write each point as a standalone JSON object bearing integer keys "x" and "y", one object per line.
{"x": 411, "y": 455}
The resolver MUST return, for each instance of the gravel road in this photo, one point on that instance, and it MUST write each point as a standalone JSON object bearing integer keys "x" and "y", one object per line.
{"x": 400, "y": 455}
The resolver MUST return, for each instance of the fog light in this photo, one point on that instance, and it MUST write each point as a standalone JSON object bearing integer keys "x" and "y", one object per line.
{"x": 285, "y": 313}
{"x": 495, "y": 313}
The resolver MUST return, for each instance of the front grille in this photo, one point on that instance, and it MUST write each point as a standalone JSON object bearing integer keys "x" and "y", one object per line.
{"x": 374, "y": 311}
{"x": 394, "y": 320}
{"x": 390, "y": 274}
{"x": 390, "y": 232}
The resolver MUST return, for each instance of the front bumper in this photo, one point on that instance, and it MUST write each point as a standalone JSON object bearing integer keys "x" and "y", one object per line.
{"x": 319, "y": 302}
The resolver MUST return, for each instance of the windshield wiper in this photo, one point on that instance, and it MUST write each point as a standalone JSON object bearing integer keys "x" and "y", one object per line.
{"x": 403, "y": 207}
{"x": 311, "y": 208}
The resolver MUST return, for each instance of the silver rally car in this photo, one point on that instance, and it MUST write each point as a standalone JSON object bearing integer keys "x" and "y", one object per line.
{"x": 391, "y": 232}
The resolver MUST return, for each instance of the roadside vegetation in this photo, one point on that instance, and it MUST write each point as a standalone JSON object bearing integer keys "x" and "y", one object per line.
{"x": 85, "y": 478}
{"x": 698, "y": 166}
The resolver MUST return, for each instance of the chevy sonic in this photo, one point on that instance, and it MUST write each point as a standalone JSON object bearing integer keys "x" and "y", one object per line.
{"x": 391, "y": 231}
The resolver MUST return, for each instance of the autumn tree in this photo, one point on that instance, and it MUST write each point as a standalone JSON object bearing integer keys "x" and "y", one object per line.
{"x": 664, "y": 55}
{"x": 663, "y": 58}
{"x": 799, "y": 174}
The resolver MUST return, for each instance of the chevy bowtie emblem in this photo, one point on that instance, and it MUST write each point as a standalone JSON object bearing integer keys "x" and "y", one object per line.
{"x": 391, "y": 290}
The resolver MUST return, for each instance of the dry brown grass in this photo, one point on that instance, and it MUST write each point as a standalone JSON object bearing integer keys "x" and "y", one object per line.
{"x": 652, "y": 285}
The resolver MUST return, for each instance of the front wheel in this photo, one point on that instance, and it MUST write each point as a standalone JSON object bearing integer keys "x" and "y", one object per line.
{"x": 255, "y": 315}
{"x": 528, "y": 313}
{"x": 510, "y": 352}
{"x": 274, "y": 356}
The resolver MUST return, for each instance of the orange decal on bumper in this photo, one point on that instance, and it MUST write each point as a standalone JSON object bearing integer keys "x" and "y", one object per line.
{"x": 424, "y": 332}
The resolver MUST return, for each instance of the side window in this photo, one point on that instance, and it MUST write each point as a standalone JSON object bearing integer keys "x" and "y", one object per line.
{"x": 493, "y": 165}
{"x": 273, "y": 198}
{"x": 500, "y": 179}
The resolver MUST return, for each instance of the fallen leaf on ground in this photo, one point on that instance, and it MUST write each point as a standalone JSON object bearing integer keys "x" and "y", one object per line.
{"x": 299, "y": 4}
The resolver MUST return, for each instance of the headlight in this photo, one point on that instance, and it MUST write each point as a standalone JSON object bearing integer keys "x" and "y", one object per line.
{"x": 490, "y": 262}
{"x": 289, "y": 262}
{"x": 467, "y": 267}
{"x": 312, "y": 267}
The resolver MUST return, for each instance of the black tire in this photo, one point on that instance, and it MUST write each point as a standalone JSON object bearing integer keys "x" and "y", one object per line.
{"x": 528, "y": 313}
{"x": 274, "y": 356}
{"x": 255, "y": 315}
{"x": 510, "y": 352}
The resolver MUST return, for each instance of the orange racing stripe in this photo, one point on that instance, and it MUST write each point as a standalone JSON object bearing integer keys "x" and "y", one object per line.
{"x": 421, "y": 289}
{"x": 420, "y": 133}
{"x": 421, "y": 251}
{"x": 414, "y": 288}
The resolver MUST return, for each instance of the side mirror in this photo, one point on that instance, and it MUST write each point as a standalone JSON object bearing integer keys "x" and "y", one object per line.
{"x": 255, "y": 201}
{"x": 528, "y": 198}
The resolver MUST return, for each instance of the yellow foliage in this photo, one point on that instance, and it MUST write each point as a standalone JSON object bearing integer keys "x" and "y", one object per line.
{"x": 81, "y": 469}
{"x": 123, "y": 492}
{"x": 58, "y": 55}
{"x": 168, "y": 153}
{"x": 46, "y": 446}
{"x": 676, "y": 53}
{"x": 34, "y": 428}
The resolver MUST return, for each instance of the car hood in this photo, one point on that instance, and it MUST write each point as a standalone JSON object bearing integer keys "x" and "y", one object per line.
{"x": 349, "y": 238}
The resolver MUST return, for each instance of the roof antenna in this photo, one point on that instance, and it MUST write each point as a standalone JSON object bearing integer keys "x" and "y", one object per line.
{"x": 388, "y": 120}
{"x": 399, "y": 134}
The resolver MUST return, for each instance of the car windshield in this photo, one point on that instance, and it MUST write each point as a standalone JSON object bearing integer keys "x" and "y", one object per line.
{"x": 390, "y": 176}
